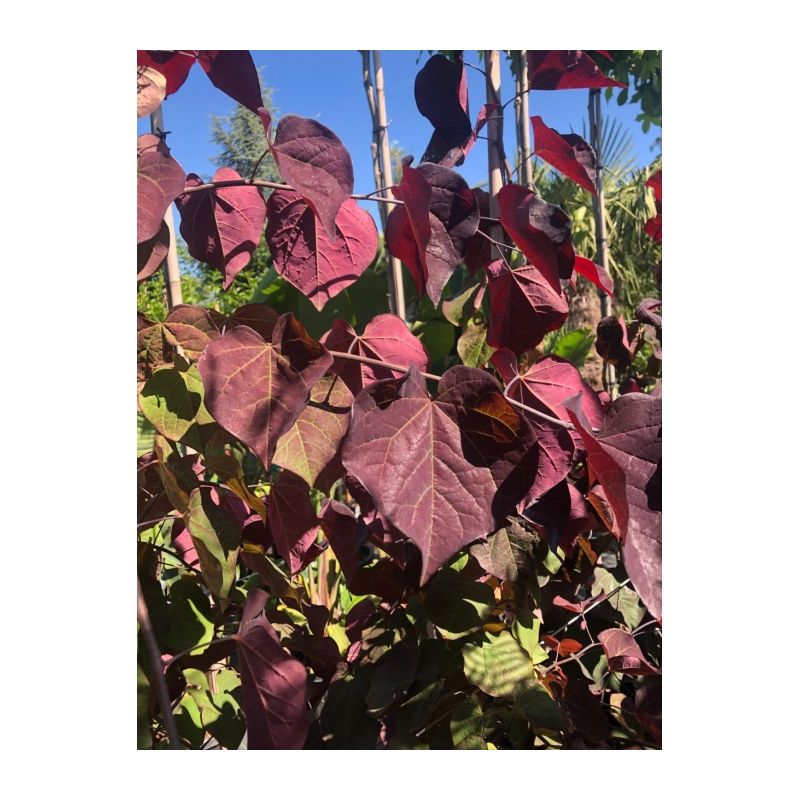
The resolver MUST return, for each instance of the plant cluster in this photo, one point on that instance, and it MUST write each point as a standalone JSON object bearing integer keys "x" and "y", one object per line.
{"x": 338, "y": 547}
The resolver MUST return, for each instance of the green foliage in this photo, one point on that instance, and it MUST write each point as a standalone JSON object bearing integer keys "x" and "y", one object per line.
{"x": 644, "y": 66}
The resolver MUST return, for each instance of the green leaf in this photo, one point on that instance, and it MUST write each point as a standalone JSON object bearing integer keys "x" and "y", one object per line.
{"x": 144, "y": 737}
{"x": 394, "y": 673}
{"x": 469, "y": 725}
{"x": 172, "y": 402}
{"x": 625, "y": 601}
{"x": 497, "y": 665}
{"x": 575, "y": 346}
{"x": 525, "y": 628}
{"x": 437, "y": 336}
{"x": 457, "y": 606}
{"x": 509, "y": 553}
{"x": 458, "y": 306}
{"x": 216, "y": 535}
{"x": 219, "y": 711}
{"x": 535, "y": 703}
{"x": 190, "y": 614}
{"x": 472, "y": 347}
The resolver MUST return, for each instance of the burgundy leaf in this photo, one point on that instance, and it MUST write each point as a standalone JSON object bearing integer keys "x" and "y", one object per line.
{"x": 624, "y": 654}
{"x": 646, "y": 313}
{"x": 233, "y": 72}
{"x": 314, "y": 161}
{"x": 453, "y": 220}
{"x": 612, "y": 341}
{"x": 478, "y": 253}
{"x": 542, "y": 231}
{"x": 562, "y": 515}
{"x": 415, "y": 192}
{"x": 565, "y": 69}
{"x": 483, "y": 117}
{"x": 150, "y": 254}
{"x": 653, "y": 228}
{"x": 585, "y": 711}
{"x": 629, "y": 385}
{"x": 222, "y": 227}
{"x": 654, "y": 182}
{"x": 439, "y": 151}
{"x": 385, "y": 338}
{"x": 631, "y": 436}
{"x": 306, "y": 355}
{"x": 291, "y": 519}
{"x": 314, "y": 439}
{"x": 525, "y": 307}
{"x": 320, "y": 267}
{"x": 435, "y": 470}
{"x": 567, "y": 152}
{"x": 257, "y": 316}
{"x": 594, "y": 273}
{"x": 174, "y": 65}
{"x": 252, "y": 388}
{"x": 184, "y": 546}
{"x": 440, "y": 91}
{"x": 273, "y": 689}
{"x": 160, "y": 180}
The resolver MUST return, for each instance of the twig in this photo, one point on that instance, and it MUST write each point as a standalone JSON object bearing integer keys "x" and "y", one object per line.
{"x": 157, "y": 668}
{"x": 431, "y": 377}
{"x": 197, "y": 647}
{"x": 590, "y": 607}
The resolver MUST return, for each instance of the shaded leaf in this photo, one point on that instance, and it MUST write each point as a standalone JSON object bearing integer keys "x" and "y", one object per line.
{"x": 233, "y": 72}
{"x": 509, "y": 552}
{"x": 562, "y": 515}
{"x": 160, "y": 179}
{"x": 191, "y": 618}
{"x": 151, "y": 253}
{"x": 612, "y": 341}
{"x": 172, "y": 402}
{"x": 319, "y": 266}
{"x": 222, "y": 227}
{"x": 567, "y": 152}
{"x": 292, "y": 519}
{"x": 472, "y": 347}
{"x": 538, "y": 705}
{"x": 440, "y": 91}
{"x": 457, "y": 605}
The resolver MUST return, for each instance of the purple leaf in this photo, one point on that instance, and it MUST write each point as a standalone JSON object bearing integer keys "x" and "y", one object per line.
{"x": 542, "y": 231}
{"x": 612, "y": 341}
{"x": 160, "y": 180}
{"x": 624, "y": 654}
{"x": 291, "y": 519}
{"x": 314, "y": 161}
{"x": 646, "y": 313}
{"x": 255, "y": 389}
{"x": 385, "y": 338}
{"x": 222, "y": 227}
{"x": 273, "y": 689}
{"x": 440, "y": 91}
{"x": 524, "y": 305}
{"x": 562, "y": 515}
{"x": 565, "y": 69}
{"x": 320, "y": 267}
{"x": 150, "y": 254}
{"x": 436, "y": 470}
{"x": 233, "y": 72}
{"x": 567, "y": 152}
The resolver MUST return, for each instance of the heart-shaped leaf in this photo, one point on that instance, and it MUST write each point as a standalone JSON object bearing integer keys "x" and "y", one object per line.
{"x": 304, "y": 254}
{"x": 160, "y": 180}
{"x": 233, "y": 72}
{"x": 594, "y": 273}
{"x": 292, "y": 520}
{"x": 567, "y": 152}
{"x": 222, "y": 227}
{"x": 440, "y": 91}
{"x": 150, "y": 254}
{"x": 624, "y": 654}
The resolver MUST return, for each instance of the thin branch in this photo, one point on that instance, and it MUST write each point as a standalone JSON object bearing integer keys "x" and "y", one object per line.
{"x": 258, "y": 164}
{"x": 375, "y": 362}
{"x": 197, "y": 647}
{"x": 157, "y": 668}
{"x": 499, "y": 244}
{"x": 590, "y": 607}
{"x": 173, "y": 555}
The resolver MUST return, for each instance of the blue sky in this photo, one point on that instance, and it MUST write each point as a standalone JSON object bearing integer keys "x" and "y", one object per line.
{"x": 327, "y": 85}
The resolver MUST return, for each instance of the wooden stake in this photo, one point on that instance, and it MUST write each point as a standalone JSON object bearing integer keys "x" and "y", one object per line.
{"x": 172, "y": 270}
{"x": 494, "y": 128}
{"x": 526, "y": 173}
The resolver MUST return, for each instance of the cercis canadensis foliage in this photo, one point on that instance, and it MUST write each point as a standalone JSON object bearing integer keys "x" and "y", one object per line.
{"x": 340, "y": 547}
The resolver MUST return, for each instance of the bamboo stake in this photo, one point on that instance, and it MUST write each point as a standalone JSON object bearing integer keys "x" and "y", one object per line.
{"x": 527, "y": 163}
{"x": 494, "y": 134}
{"x": 598, "y": 202}
{"x": 172, "y": 271}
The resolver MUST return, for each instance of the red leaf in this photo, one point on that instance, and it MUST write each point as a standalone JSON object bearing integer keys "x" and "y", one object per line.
{"x": 436, "y": 470}
{"x": 565, "y": 69}
{"x": 653, "y": 227}
{"x": 314, "y": 161}
{"x": 415, "y": 192}
{"x": 453, "y": 220}
{"x": 273, "y": 689}
{"x": 386, "y": 338}
{"x": 320, "y": 267}
{"x": 567, "y": 152}
{"x": 525, "y": 307}
{"x": 562, "y": 515}
{"x": 654, "y": 182}
{"x": 631, "y": 435}
{"x": 564, "y": 647}
{"x": 160, "y": 180}
{"x": 542, "y": 231}
{"x": 291, "y": 519}
{"x": 612, "y": 341}
{"x": 222, "y": 227}
{"x": 478, "y": 253}
{"x": 257, "y": 316}
{"x": 254, "y": 389}
{"x": 439, "y": 151}
{"x": 594, "y": 273}
{"x": 150, "y": 254}
{"x": 624, "y": 654}
{"x": 440, "y": 91}
{"x": 174, "y": 65}
{"x": 233, "y": 72}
